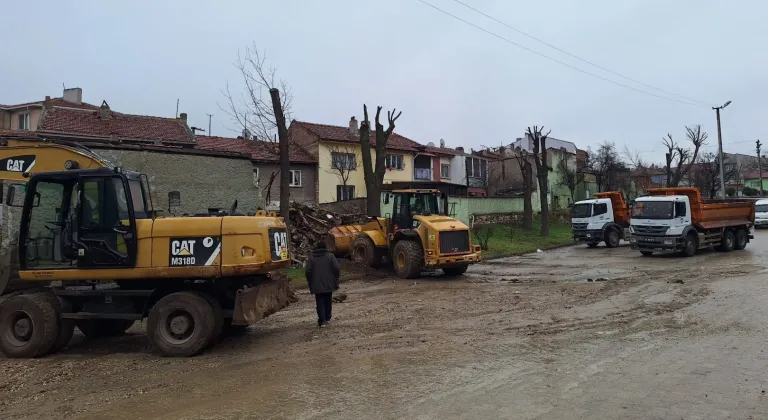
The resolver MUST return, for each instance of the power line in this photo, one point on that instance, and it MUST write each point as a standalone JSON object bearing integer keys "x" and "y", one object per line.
{"x": 556, "y": 60}
{"x": 575, "y": 56}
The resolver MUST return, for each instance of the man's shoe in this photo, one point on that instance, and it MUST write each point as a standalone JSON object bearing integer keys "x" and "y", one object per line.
{"x": 323, "y": 325}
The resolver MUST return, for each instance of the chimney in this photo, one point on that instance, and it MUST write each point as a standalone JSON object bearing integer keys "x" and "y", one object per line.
{"x": 353, "y": 126}
{"x": 460, "y": 149}
{"x": 104, "y": 112}
{"x": 74, "y": 96}
{"x": 183, "y": 117}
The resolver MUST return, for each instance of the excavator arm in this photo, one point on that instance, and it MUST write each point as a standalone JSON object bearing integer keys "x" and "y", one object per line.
{"x": 20, "y": 158}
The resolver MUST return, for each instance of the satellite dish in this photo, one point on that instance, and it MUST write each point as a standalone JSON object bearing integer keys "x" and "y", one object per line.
{"x": 442, "y": 144}
{"x": 430, "y": 144}
{"x": 246, "y": 133}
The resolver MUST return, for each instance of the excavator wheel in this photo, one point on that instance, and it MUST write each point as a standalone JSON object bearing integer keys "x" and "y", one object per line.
{"x": 97, "y": 328}
{"x": 364, "y": 252}
{"x": 407, "y": 258}
{"x": 181, "y": 324}
{"x": 29, "y": 325}
{"x": 66, "y": 326}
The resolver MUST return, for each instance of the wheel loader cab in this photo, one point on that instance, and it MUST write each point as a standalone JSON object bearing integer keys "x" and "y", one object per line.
{"x": 416, "y": 203}
{"x": 81, "y": 219}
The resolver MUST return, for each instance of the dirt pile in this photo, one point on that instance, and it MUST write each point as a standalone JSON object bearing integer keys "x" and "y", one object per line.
{"x": 310, "y": 225}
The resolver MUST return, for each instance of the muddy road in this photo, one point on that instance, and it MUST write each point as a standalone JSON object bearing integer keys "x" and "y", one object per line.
{"x": 564, "y": 334}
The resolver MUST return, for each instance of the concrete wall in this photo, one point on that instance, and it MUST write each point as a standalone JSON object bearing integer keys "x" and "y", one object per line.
{"x": 203, "y": 181}
{"x": 305, "y": 194}
{"x": 9, "y": 120}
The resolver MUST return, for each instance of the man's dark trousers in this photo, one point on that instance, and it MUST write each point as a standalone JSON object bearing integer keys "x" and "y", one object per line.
{"x": 324, "y": 303}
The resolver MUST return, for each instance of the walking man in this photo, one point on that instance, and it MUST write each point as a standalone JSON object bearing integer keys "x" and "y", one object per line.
{"x": 323, "y": 277}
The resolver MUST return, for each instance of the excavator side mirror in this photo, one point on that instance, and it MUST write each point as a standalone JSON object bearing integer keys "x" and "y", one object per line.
{"x": 13, "y": 199}
{"x": 386, "y": 198}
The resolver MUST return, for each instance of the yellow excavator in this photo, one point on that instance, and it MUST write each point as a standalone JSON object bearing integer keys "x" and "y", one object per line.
{"x": 92, "y": 254}
{"x": 418, "y": 235}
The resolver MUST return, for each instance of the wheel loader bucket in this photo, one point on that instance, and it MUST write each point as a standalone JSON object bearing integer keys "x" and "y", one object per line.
{"x": 339, "y": 239}
{"x": 263, "y": 299}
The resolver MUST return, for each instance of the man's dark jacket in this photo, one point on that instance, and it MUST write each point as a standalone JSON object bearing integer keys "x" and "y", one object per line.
{"x": 322, "y": 272}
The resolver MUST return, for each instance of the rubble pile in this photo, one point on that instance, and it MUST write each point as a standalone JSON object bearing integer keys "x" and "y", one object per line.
{"x": 310, "y": 225}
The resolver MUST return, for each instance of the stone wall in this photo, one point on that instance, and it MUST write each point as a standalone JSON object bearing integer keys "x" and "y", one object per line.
{"x": 203, "y": 181}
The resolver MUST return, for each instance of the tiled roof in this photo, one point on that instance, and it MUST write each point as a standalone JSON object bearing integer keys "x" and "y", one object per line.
{"x": 342, "y": 134}
{"x": 55, "y": 102}
{"x": 444, "y": 151}
{"x": 754, "y": 175}
{"x": 257, "y": 150}
{"x": 124, "y": 126}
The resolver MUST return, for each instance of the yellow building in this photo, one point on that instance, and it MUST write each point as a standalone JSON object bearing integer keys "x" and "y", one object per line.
{"x": 340, "y": 163}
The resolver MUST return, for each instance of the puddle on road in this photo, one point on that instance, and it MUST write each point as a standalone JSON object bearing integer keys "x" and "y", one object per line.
{"x": 514, "y": 274}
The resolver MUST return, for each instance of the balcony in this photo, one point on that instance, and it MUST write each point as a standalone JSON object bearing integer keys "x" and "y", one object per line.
{"x": 422, "y": 174}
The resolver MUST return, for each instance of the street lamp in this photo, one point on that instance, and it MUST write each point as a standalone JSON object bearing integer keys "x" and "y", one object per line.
{"x": 720, "y": 147}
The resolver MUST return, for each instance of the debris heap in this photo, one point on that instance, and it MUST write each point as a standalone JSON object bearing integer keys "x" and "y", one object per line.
{"x": 310, "y": 225}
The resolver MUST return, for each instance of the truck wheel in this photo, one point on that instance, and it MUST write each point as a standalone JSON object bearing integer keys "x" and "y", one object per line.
{"x": 741, "y": 239}
{"x": 728, "y": 241}
{"x": 612, "y": 238}
{"x": 364, "y": 251}
{"x": 646, "y": 253}
{"x": 29, "y": 326}
{"x": 181, "y": 324}
{"x": 456, "y": 271}
{"x": 407, "y": 257}
{"x": 592, "y": 244}
{"x": 98, "y": 328}
{"x": 691, "y": 245}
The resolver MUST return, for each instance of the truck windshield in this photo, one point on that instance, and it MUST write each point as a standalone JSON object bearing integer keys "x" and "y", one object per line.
{"x": 581, "y": 210}
{"x": 761, "y": 208}
{"x": 652, "y": 210}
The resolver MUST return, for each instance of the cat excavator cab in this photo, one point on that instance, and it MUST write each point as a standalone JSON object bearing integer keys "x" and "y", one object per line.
{"x": 90, "y": 253}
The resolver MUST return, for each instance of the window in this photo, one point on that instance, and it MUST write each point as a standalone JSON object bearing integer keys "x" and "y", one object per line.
{"x": 343, "y": 161}
{"x": 174, "y": 199}
{"x": 476, "y": 167}
{"x": 255, "y": 177}
{"x": 445, "y": 170}
{"x": 43, "y": 228}
{"x": 295, "y": 178}
{"x": 345, "y": 192}
{"x": 601, "y": 208}
{"x": 24, "y": 123}
{"x": 679, "y": 209}
{"x": 395, "y": 162}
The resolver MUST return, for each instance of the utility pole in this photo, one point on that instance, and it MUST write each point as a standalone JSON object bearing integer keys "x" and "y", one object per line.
{"x": 720, "y": 147}
{"x": 209, "y": 123}
{"x": 759, "y": 165}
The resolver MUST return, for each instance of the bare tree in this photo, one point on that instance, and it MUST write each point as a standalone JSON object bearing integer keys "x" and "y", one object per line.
{"x": 706, "y": 176}
{"x": 570, "y": 178}
{"x": 342, "y": 161}
{"x": 542, "y": 172}
{"x": 679, "y": 159}
{"x": 605, "y": 165}
{"x": 637, "y": 175}
{"x": 261, "y": 110}
{"x": 374, "y": 171}
{"x": 524, "y": 162}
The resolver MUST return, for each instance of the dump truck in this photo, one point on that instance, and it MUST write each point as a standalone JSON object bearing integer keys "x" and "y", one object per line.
{"x": 604, "y": 218}
{"x": 680, "y": 220}
{"x": 419, "y": 235}
{"x": 91, "y": 254}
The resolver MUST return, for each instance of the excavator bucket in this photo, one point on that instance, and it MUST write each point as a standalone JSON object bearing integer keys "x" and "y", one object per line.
{"x": 339, "y": 239}
{"x": 265, "y": 297}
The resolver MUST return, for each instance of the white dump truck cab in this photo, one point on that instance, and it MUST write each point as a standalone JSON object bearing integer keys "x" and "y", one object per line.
{"x": 593, "y": 221}
{"x": 659, "y": 223}
{"x": 761, "y": 214}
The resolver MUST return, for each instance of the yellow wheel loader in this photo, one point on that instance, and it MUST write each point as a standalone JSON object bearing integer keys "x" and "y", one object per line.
{"x": 91, "y": 254}
{"x": 419, "y": 235}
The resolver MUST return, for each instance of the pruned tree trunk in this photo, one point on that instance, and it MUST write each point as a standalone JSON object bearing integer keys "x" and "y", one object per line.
{"x": 374, "y": 171}
{"x": 542, "y": 173}
{"x": 285, "y": 162}
{"x": 527, "y": 196}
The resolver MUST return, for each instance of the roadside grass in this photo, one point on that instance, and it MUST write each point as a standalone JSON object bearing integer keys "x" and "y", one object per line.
{"x": 296, "y": 275}
{"x": 513, "y": 240}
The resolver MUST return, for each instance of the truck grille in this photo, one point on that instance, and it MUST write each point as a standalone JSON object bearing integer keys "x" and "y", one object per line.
{"x": 650, "y": 230}
{"x": 454, "y": 242}
{"x": 579, "y": 226}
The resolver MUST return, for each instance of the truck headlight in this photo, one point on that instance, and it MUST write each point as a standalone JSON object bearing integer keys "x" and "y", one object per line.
{"x": 589, "y": 235}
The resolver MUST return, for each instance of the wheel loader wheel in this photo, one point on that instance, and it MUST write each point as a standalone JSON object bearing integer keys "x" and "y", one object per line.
{"x": 29, "y": 326}
{"x": 456, "y": 271}
{"x": 407, "y": 257}
{"x": 98, "y": 328}
{"x": 364, "y": 251}
{"x": 181, "y": 324}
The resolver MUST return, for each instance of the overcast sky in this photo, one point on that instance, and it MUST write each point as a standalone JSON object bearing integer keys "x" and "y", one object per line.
{"x": 451, "y": 80}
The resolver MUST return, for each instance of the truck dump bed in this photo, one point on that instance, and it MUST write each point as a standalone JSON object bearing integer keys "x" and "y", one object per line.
{"x": 621, "y": 212}
{"x": 710, "y": 214}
